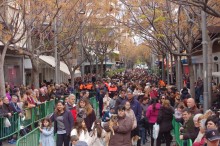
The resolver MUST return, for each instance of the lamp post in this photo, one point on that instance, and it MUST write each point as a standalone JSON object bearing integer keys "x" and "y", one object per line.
{"x": 82, "y": 12}
{"x": 205, "y": 62}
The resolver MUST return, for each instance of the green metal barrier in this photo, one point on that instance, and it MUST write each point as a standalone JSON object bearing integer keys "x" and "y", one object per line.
{"x": 31, "y": 138}
{"x": 32, "y": 116}
{"x": 176, "y": 127}
{"x": 9, "y": 131}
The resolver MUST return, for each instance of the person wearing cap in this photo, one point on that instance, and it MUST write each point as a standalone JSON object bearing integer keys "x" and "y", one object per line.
{"x": 212, "y": 138}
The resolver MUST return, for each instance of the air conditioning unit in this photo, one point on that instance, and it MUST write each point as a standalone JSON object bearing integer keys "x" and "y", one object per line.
{"x": 216, "y": 58}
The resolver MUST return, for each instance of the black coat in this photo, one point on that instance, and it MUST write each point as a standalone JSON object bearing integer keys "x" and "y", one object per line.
{"x": 165, "y": 119}
{"x": 3, "y": 112}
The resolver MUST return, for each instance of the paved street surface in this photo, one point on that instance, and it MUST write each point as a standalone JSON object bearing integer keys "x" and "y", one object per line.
{"x": 147, "y": 144}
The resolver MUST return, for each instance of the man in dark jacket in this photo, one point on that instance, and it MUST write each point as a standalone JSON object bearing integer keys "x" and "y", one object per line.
{"x": 121, "y": 99}
{"x": 13, "y": 104}
{"x": 188, "y": 129}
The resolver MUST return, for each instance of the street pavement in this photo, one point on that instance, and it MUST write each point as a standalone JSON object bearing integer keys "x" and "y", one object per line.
{"x": 146, "y": 144}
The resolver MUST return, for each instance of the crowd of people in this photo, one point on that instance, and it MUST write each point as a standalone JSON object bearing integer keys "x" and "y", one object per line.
{"x": 130, "y": 103}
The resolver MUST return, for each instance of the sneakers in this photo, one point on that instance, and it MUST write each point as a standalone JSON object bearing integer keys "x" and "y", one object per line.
{"x": 12, "y": 141}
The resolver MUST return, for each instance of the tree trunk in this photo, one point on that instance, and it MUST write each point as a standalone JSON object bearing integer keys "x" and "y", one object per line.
{"x": 191, "y": 76}
{"x": 209, "y": 71}
{"x": 2, "y": 74}
{"x": 91, "y": 67}
{"x": 35, "y": 72}
{"x": 101, "y": 68}
{"x": 171, "y": 68}
{"x": 72, "y": 75}
{"x": 2, "y": 78}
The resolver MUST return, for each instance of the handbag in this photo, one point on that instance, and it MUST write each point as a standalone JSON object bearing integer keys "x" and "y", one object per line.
{"x": 7, "y": 123}
{"x": 156, "y": 129}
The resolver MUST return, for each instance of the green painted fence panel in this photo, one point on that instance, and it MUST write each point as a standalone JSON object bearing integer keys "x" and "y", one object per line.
{"x": 31, "y": 116}
{"x": 30, "y": 139}
{"x": 8, "y": 131}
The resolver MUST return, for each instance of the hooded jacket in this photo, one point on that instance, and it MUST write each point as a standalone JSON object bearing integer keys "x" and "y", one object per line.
{"x": 152, "y": 114}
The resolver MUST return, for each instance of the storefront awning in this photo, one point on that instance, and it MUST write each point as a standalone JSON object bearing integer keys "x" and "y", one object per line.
{"x": 63, "y": 67}
{"x": 216, "y": 74}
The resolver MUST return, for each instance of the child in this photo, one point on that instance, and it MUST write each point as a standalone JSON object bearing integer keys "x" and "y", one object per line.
{"x": 46, "y": 135}
{"x": 75, "y": 141}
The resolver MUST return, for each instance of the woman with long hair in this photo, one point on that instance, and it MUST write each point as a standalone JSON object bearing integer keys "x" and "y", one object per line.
{"x": 164, "y": 120}
{"x": 152, "y": 114}
{"x": 81, "y": 131}
{"x": 63, "y": 123}
{"x": 98, "y": 134}
{"x": 85, "y": 111}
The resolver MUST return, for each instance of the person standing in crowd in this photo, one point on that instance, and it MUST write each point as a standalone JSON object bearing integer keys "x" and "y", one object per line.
{"x": 98, "y": 134}
{"x": 122, "y": 130}
{"x": 164, "y": 120}
{"x": 85, "y": 111}
{"x": 130, "y": 113}
{"x": 152, "y": 114}
{"x": 136, "y": 107}
{"x": 192, "y": 106}
{"x": 212, "y": 138}
{"x": 121, "y": 99}
{"x": 14, "y": 106}
{"x": 63, "y": 123}
{"x": 81, "y": 131}
{"x": 70, "y": 105}
{"x": 113, "y": 100}
{"x": 3, "y": 113}
{"x": 187, "y": 131}
{"x": 153, "y": 92}
{"x": 47, "y": 133}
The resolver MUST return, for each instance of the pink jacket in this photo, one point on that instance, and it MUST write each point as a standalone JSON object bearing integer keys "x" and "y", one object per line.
{"x": 153, "y": 114}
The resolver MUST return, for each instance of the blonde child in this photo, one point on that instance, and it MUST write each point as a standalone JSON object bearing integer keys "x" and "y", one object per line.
{"x": 46, "y": 135}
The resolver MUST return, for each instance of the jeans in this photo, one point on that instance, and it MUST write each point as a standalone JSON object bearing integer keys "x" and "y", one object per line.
{"x": 151, "y": 133}
{"x": 63, "y": 138}
{"x": 142, "y": 133}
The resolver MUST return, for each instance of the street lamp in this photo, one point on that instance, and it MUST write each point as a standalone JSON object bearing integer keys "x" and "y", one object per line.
{"x": 82, "y": 12}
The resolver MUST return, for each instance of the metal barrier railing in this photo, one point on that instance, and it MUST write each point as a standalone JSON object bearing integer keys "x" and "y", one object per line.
{"x": 31, "y": 138}
{"x": 176, "y": 127}
{"x": 9, "y": 131}
{"x": 32, "y": 116}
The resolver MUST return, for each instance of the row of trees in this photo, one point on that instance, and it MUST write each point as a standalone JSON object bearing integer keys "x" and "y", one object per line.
{"x": 74, "y": 29}
{"x": 172, "y": 27}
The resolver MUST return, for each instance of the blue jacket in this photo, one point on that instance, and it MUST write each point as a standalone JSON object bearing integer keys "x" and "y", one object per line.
{"x": 15, "y": 107}
{"x": 68, "y": 122}
{"x": 136, "y": 107}
{"x": 106, "y": 116}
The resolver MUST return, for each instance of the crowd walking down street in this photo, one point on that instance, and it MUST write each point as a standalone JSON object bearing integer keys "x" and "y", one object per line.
{"x": 129, "y": 106}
